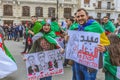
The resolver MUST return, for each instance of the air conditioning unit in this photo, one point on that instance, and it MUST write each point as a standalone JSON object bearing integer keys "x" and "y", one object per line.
{"x": 0, "y": 1}
{"x": 14, "y": 2}
{"x": 96, "y": 7}
{"x": 18, "y": 2}
{"x": 113, "y": 8}
{"x": 94, "y": 4}
{"x": 113, "y": 4}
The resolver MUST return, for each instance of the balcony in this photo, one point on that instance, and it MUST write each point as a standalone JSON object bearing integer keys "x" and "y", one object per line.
{"x": 37, "y": 1}
{"x": 104, "y": 9}
{"x": 108, "y": 0}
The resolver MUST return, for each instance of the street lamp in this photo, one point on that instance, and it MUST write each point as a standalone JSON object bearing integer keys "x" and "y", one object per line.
{"x": 57, "y": 9}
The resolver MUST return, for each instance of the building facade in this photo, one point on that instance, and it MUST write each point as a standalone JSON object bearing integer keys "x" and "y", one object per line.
{"x": 100, "y": 8}
{"x": 20, "y": 11}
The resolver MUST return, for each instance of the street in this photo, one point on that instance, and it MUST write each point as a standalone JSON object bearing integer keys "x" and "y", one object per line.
{"x": 16, "y": 48}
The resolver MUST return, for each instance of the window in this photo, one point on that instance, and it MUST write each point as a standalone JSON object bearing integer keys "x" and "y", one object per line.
{"x": 108, "y": 5}
{"x": 8, "y": 11}
{"x": 67, "y": 12}
{"x": 51, "y": 12}
{"x": 86, "y": 1}
{"x": 118, "y": 15}
{"x": 99, "y": 15}
{"x": 39, "y": 11}
{"x": 8, "y": 22}
{"x": 99, "y": 4}
{"x": 25, "y": 11}
{"x": 108, "y": 14}
{"x": 67, "y": 0}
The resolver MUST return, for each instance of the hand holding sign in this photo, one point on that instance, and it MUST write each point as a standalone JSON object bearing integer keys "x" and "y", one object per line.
{"x": 101, "y": 48}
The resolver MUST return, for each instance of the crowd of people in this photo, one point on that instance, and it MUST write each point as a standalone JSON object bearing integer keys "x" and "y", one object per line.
{"x": 43, "y": 35}
{"x": 13, "y": 32}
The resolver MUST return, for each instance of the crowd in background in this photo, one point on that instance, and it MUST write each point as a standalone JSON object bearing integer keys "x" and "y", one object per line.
{"x": 13, "y": 32}
{"x": 16, "y": 31}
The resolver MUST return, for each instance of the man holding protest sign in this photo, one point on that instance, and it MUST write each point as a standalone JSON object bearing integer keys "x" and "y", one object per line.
{"x": 89, "y": 25}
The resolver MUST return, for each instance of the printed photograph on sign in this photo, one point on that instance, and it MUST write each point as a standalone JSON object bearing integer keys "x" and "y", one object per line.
{"x": 33, "y": 67}
{"x": 44, "y": 64}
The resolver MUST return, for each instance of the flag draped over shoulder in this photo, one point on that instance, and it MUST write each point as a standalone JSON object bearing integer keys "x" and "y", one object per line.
{"x": 43, "y": 22}
{"x": 109, "y": 26}
{"x": 74, "y": 26}
{"x": 51, "y": 33}
{"x": 50, "y": 39}
{"x": 114, "y": 70}
{"x": 37, "y": 27}
{"x": 7, "y": 62}
{"x": 55, "y": 27}
{"x": 94, "y": 26}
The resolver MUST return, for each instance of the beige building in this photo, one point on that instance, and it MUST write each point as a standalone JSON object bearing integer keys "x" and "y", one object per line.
{"x": 100, "y": 8}
{"x": 20, "y": 11}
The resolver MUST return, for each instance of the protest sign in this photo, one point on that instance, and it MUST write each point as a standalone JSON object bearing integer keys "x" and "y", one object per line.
{"x": 60, "y": 41}
{"x": 44, "y": 64}
{"x": 82, "y": 48}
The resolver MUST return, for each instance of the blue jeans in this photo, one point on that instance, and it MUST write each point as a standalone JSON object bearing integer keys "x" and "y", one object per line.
{"x": 9, "y": 36}
{"x": 73, "y": 70}
{"x": 47, "y": 78}
{"x": 82, "y": 72}
{"x": 93, "y": 75}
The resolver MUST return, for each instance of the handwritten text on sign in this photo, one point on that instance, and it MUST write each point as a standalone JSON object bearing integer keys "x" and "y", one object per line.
{"x": 82, "y": 48}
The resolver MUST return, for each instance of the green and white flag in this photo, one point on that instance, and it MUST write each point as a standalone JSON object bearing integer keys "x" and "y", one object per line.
{"x": 114, "y": 70}
{"x": 7, "y": 62}
{"x": 118, "y": 72}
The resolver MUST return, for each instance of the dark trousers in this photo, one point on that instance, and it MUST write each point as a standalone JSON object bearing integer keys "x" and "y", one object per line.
{"x": 27, "y": 46}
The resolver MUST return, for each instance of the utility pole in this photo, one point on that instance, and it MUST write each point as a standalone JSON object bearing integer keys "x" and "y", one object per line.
{"x": 79, "y": 3}
{"x": 57, "y": 9}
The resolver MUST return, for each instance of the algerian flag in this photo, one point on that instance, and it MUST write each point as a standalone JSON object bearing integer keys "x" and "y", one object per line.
{"x": 37, "y": 27}
{"x": 7, "y": 62}
{"x": 55, "y": 27}
{"x": 114, "y": 70}
{"x": 109, "y": 26}
{"x": 118, "y": 72}
{"x": 43, "y": 22}
{"x": 50, "y": 39}
{"x": 39, "y": 35}
{"x": 74, "y": 26}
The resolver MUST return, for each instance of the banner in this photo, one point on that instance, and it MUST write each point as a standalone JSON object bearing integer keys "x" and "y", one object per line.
{"x": 82, "y": 48}
{"x": 44, "y": 64}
